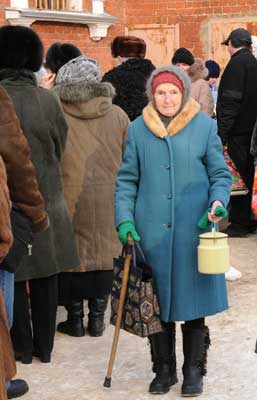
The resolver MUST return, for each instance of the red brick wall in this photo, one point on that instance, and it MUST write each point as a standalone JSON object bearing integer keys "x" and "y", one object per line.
{"x": 51, "y": 32}
{"x": 3, "y": 4}
{"x": 189, "y": 14}
{"x": 79, "y": 34}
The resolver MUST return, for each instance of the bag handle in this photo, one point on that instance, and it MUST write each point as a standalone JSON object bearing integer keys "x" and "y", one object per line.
{"x": 135, "y": 246}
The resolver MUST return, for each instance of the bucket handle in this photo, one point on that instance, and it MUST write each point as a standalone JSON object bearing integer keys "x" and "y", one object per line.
{"x": 213, "y": 230}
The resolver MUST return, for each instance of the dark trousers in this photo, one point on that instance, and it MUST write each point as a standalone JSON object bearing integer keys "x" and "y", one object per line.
{"x": 43, "y": 303}
{"x": 195, "y": 323}
{"x": 240, "y": 206}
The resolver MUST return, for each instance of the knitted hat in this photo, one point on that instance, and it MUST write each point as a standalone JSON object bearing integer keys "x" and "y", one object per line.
{"x": 177, "y": 72}
{"x": 184, "y": 56}
{"x": 79, "y": 69}
{"x": 167, "y": 77}
{"x": 128, "y": 46}
{"x": 213, "y": 68}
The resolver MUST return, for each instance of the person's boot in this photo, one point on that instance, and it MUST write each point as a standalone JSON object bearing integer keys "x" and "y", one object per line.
{"x": 193, "y": 369}
{"x": 207, "y": 343}
{"x": 74, "y": 324}
{"x": 16, "y": 388}
{"x": 164, "y": 360}
{"x": 97, "y": 309}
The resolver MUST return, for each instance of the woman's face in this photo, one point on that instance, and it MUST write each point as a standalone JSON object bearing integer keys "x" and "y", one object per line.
{"x": 168, "y": 99}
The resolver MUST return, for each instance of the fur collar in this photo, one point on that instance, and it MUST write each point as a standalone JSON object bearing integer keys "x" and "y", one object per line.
{"x": 83, "y": 91}
{"x": 198, "y": 70}
{"x": 154, "y": 123}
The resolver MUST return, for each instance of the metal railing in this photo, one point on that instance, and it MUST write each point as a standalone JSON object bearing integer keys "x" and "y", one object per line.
{"x": 57, "y": 5}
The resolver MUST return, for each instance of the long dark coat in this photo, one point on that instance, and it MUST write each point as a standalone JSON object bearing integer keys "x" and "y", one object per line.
{"x": 236, "y": 114}
{"x": 44, "y": 126}
{"x": 167, "y": 180}
{"x": 236, "y": 104}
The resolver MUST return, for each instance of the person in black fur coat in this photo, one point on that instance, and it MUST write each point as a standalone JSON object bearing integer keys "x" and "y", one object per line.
{"x": 130, "y": 76}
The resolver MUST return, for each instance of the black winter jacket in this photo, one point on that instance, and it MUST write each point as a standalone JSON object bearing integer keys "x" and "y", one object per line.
{"x": 237, "y": 96}
{"x": 253, "y": 150}
{"x": 129, "y": 80}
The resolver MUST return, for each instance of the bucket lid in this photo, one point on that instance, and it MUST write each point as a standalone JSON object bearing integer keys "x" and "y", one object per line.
{"x": 213, "y": 235}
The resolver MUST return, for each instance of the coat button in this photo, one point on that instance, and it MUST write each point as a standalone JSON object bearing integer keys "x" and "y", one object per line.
{"x": 169, "y": 196}
{"x": 167, "y": 166}
{"x": 167, "y": 225}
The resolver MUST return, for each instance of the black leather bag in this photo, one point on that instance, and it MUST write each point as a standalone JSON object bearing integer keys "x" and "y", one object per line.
{"x": 22, "y": 243}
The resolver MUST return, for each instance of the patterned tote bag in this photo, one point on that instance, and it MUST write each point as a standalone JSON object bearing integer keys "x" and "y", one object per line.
{"x": 141, "y": 312}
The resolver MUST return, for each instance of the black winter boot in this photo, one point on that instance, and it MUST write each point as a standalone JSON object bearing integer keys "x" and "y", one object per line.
{"x": 164, "y": 360}
{"x": 193, "y": 371}
{"x": 97, "y": 309}
{"x": 74, "y": 324}
{"x": 207, "y": 343}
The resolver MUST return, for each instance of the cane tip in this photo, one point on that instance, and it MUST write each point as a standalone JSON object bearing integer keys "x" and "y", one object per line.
{"x": 107, "y": 382}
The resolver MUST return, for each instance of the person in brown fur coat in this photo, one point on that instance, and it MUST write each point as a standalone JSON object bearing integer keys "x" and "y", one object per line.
{"x": 24, "y": 192}
{"x": 7, "y": 363}
{"x": 6, "y": 237}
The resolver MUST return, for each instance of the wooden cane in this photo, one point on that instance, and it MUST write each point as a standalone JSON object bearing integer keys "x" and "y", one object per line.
{"x": 125, "y": 275}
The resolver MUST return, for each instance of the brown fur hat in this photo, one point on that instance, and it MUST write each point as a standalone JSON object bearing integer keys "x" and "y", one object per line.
{"x": 128, "y": 46}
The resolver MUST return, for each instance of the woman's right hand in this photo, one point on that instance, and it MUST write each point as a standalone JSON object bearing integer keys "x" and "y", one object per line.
{"x": 123, "y": 229}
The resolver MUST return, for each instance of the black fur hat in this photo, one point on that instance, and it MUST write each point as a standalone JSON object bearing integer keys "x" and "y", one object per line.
{"x": 20, "y": 47}
{"x": 59, "y": 54}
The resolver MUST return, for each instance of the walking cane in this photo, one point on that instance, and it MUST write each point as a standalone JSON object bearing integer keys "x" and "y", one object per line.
{"x": 125, "y": 275}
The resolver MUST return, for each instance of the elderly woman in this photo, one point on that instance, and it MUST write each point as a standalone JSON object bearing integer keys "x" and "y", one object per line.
{"x": 96, "y": 139}
{"x": 173, "y": 171}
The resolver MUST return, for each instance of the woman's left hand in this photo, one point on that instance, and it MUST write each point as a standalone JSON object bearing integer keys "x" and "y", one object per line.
{"x": 211, "y": 215}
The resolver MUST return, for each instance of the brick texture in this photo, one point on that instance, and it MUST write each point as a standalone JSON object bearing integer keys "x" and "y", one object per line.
{"x": 190, "y": 15}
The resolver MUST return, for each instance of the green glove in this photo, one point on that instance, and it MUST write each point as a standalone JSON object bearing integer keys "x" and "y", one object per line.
{"x": 124, "y": 228}
{"x": 204, "y": 221}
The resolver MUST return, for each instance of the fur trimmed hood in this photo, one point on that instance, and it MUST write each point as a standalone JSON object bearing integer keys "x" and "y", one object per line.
{"x": 85, "y": 100}
{"x": 198, "y": 70}
{"x": 156, "y": 126}
{"x": 83, "y": 91}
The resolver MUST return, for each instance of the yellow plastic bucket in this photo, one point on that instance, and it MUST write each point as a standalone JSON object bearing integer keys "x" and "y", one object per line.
{"x": 213, "y": 253}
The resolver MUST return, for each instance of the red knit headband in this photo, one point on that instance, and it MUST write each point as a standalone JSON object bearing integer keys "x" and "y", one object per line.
{"x": 167, "y": 77}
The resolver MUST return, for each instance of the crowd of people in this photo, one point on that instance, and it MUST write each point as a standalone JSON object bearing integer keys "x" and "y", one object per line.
{"x": 139, "y": 146}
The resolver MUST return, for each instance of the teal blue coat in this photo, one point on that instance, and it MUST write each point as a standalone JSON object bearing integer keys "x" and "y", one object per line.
{"x": 167, "y": 180}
